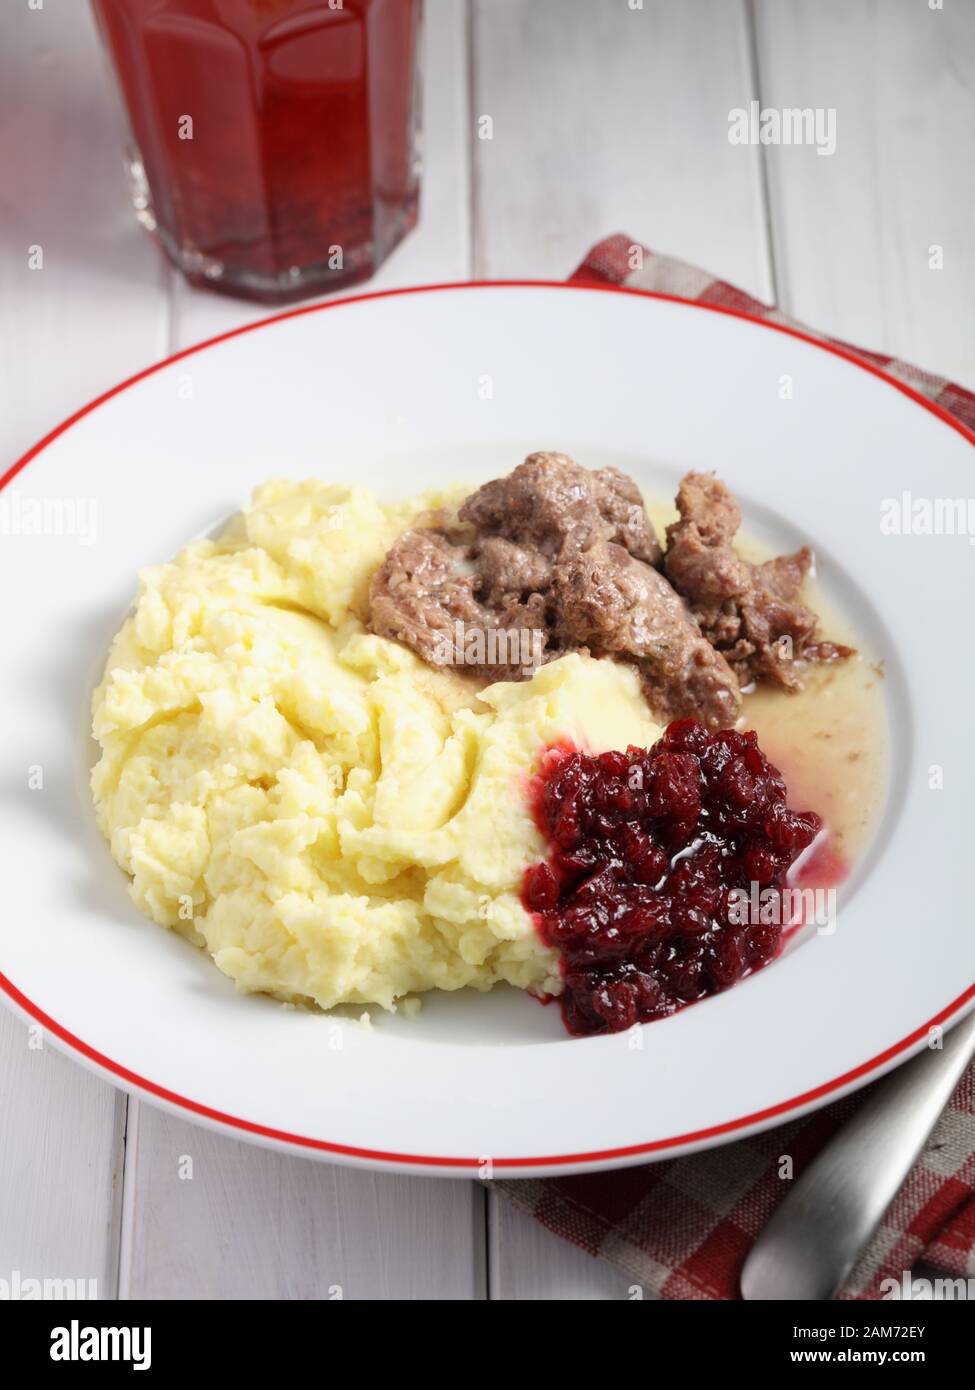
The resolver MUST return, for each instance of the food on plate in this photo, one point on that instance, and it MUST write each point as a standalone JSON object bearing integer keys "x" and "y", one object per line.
{"x": 573, "y": 557}
{"x": 750, "y": 613}
{"x": 359, "y": 751}
{"x": 652, "y": 853}
{"x": 331, "y": 820}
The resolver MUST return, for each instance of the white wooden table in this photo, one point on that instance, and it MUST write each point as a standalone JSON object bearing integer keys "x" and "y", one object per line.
{"x": 607, "y": 117}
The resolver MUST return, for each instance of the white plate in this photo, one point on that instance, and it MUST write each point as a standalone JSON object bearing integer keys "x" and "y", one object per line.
{"x": 401, "y": 391}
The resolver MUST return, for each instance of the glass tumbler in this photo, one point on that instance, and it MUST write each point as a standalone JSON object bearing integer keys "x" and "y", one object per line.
{"x": 273, "y": 144}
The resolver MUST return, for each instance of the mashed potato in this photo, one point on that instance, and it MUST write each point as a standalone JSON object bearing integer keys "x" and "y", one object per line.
{"x": 332, "y": 820}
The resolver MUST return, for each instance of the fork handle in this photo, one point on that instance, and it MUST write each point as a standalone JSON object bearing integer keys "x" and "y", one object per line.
{"x": 817, "y": 1232}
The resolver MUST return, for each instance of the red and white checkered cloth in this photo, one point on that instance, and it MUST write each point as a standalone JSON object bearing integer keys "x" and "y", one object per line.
{"x": 682, "y": 1228}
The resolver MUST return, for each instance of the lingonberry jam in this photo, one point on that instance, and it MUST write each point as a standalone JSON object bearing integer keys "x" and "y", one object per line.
{"x": 649, "y": 851}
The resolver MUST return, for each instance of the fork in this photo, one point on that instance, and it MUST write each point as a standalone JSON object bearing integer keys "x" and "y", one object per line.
{"x": 817, "y": 1233}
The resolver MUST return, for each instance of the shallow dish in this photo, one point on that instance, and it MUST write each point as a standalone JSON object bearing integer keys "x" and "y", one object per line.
{"x": 404, "y": 391}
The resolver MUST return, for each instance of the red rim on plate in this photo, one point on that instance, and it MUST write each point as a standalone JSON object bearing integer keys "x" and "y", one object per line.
{"x": 760, "y": 1117}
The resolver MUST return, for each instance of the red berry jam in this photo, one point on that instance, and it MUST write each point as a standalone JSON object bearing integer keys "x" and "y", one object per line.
{"x": 647, "y": 850}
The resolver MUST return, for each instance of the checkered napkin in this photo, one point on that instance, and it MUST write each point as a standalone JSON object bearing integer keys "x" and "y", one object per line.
{"x": 682, "y": 1229}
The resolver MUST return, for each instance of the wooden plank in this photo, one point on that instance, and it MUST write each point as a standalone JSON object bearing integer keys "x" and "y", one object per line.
{"x": 609, "y": 119}
{"x": 207, "y": 1217}
{"x": 92, "y": 312}
{"x": 60, "y": 1165}
{"x": 853, "y": 230}
{"x": 251, "y": 1223}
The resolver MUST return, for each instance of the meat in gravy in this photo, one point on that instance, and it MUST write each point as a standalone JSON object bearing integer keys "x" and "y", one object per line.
{"x": 571, "y": 557}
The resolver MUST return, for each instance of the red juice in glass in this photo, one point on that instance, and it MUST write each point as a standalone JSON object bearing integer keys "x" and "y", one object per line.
{"x": 273, "y": 142}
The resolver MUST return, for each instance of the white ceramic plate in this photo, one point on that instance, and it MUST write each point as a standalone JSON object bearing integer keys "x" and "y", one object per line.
{"x": 402, "y": 391}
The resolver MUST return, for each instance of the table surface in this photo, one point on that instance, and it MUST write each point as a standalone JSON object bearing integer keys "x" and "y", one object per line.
{"x": 608, "y": 116}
